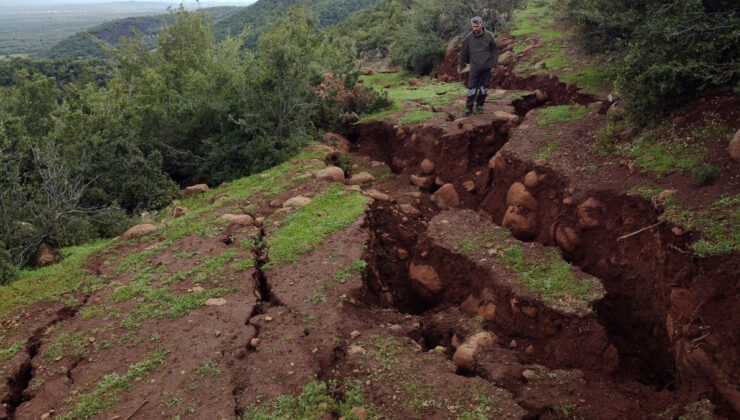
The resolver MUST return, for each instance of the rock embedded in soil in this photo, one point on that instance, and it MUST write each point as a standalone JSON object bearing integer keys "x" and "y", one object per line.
{"x": 237, "y": 219}
{"x": 332, "y": 173}
{"x": 215, "y": 302}
{"x": 46, "y": 256}
{"x": 734, "y": 147}
{"x": 377, "y": 195}
{"x": 424, "y": 279}
{"x": 427, "y": 166}
{"x": 422, "y": 182}
{"x": 139, "y": 231}
{"x": 446, "y": 197}
{"x": 180, "y": 211}
{"x": 338, "y": 141}
{"x": 297, "y": 201}
{"x": 361, "y": 178}
{"x": 589, "y": 213}
{"x": 470, "y": 350}
{"x": 531, "y": 179}
{"x": 194, "y": 189}
{"x": 408, "y": 209}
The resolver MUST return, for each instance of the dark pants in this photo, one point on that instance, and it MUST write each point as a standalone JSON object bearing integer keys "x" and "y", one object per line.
{"x": 478, "y": 81}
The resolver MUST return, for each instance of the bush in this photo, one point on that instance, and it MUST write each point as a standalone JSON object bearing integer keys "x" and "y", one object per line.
{"x": 8, "y": 271}
{"x": 705, "y": 174}
{"x": 418, "y": 52}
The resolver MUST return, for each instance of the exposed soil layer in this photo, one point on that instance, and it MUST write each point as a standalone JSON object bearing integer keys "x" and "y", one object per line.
{"x": 665, "y": 311}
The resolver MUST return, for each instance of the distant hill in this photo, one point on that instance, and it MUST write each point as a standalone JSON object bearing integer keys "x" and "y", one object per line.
{"x": 228, "y": 21}
{"x": 330, "y": 12}
{"x": 80, "y": 46}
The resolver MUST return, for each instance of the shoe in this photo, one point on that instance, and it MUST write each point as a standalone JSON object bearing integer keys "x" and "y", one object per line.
{"x": 479, "y": 109}
{"x": 468, "y": 112}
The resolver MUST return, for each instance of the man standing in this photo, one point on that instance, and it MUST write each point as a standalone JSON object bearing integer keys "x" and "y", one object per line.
{"x": 480, "y": 50}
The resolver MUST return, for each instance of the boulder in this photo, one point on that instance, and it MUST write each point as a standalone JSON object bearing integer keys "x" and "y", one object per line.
{"x": 424, "y": 279}
{"x": 361, "y": 178}
{"x": 663, "y": 195}
{"x": 332, "y": 173}
{"x": 46, "y": 256}
{"x": 541, "y": 96}
{"x": 589, "y": 213}
{"x": 566, "y": 238}
{"x": 519, "y": 196}
{"x": 414, "y": 81}
{"x": 427, "y": 167}
{"x": 366, "y": 71}
{"x": 522, "y": 222}
{"x": 487, "y": 311}
{"x": 422, "y": 182}
{"x": 446, "y": 197}
{"x": 734, "y": 147}
{"x": 502, "y": 117}
{"x": 297, "y": 201}
{"x": 531, "y": 179}
{"x": 505, "y": 58}
{"x": 194, "y": 189}
{"x": 377, "y": 195}
{"x": 180, "y": 211}
{"x": 140, "y": 230}
{"x": 338, "y": 141}
{"x": 470, "y": 350}
{"x": 409, "y": 210}
{"x": 237, "y": 219}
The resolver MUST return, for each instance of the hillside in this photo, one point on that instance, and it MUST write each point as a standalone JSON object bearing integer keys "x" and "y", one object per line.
{"x": 80, "y": 46}
{"x": 542, "y": 259}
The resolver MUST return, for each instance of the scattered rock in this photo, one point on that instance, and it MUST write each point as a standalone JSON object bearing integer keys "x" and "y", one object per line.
{"x": 377, "y": 195}
{"x": 502, "y": 117}
{"x": 215, "y": 302}
{"x": 355, "y": 350}
{"x": 421, "y": 181}
{"x": 194, "y": 189}
{"x": 531, "y": 179}
{"x": 734, "y": 147}
{"x": 469, "y": 186}
{"x": 530, "y": 311}
{"x": 505, "y": 58}
{"x": 338, "y": 141}
{"x": 361, "y": 178}
{"x": 529, "y": 349}
{"x": 541, "y": 96}
{"x": 567, "y": 238}
{"x": 540, "y": 163}
{"x": 466, "y": 354}
{"x": 237, "y": 219}
{"x": 366, "y": 71}
{"x": 522, "y": 222}
{"x": 414, "y": 81}
{"x": 427, "y": 166}
{"x": 446, "y": 196}
{"x": 259, "y": 221}
{"x": 396, "y": 328}
{"x": 589, "y": 213}
{"x": 197, "y": 289}
{"x": 297, "y": 201}
{"x": 360, "y": 412}
{"x": 254, "y": 342}
{"x": 529, "y": 374}
{"x": 425, "y": 279}
{"x": 354, "y": 334}
{"x": 180, "y": 211}
{"x": 487, "y": 311}
{"x": 333, "y": 173}
{"x": 139, "y": 231}
{"x": 409, "y": 210}
{"x": 539, "y": 65}
{"x": 218, "y": 197}
{"x": 46, "y": 256}
{"x": 402, "y": 254}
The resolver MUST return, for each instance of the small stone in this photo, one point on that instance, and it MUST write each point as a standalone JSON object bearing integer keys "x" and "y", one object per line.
{"x": 91, "y": 339}
{"x": 361, "y": 178}
{"x": 45, "y": 416}
{"x": 297, "y": 201}
{"x": 360, "y": 412}
{"x": 469, "y": 186}
{"x": 254, "y": 342}
{"x": 402, "y": 254}
{"x": 427, "y": 167}
{"x": 677, "y": 231}
{"x": 268, "y": 318}
{"x": 217, "y": 333}
{"x": 395, "y": 328}
{"x": 152, "y": 381}
{"x": 215, "y": 302}
{"x": 409, "y": 210}
{"x": 512, "y": 344}
{"x": 529, "y": 311}
{"x": 354, "y": 334}
{"x": 197, "y": 289}
{"x": 440, "y": 349}
{"x": 529, "y": 349}
{"x": 528, "y": 374}
{"x": 355, "y": 350}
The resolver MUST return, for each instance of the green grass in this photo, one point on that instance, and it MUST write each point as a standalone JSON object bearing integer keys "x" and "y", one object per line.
{"x": 356, "y": 267}
{"x": 478, "y": 241}
{"x": 560, "y": 114}
{"x": 51, "y": 282}
{"x": 209, "y": 368}
{"x": 418, "y": 117}
{"x": 111, "y": 386}
{"x": 304, "y": 230}
{"x": 720, "y": 231}
{"x": 161, "y": 302}
{"x": 10, "y": 352}
{"x": 552, "y": 279}
{"x": 67, "y": 344}
{"x": 546, "y": 152}
{"x": 315, "y": 402}
{"x": 666, "y": 154}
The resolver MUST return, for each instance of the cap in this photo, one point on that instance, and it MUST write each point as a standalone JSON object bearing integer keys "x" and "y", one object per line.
{"x": 476, "y": 19}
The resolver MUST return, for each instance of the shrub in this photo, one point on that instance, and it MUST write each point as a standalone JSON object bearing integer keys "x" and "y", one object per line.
{"x": 8, "y": 271}
{"x": 705, "y": 174}
{"x": 418, "y": 52}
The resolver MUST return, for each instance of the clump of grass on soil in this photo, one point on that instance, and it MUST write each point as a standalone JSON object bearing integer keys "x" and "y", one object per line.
{"x": 560, "y": 114}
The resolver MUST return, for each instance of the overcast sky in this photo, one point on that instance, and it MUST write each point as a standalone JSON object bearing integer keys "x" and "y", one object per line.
{"x": 27, "y": 3}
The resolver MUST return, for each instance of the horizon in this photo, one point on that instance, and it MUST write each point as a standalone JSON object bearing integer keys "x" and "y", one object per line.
{"x": 35, "y": 4}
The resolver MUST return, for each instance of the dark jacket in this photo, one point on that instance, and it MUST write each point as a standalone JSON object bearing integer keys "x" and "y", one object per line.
{"x": 480, "y": 51}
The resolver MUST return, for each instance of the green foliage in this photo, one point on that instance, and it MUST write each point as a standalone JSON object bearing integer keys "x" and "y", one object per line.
{"x": 8, "y": 270}
{"x": 418, "y": 52}
{"x": 10, "y": 352}
{"x": 356, "y": 267}
{"x": 418, "y": 117}
{"x": 661, "y": 152}
{"x": 704, "y": 174}
{"x": 699, "y": 48}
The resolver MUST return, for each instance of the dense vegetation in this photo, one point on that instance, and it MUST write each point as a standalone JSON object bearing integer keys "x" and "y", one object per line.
{"x": 74, "y": 169}
{"x": 667, "y": 50}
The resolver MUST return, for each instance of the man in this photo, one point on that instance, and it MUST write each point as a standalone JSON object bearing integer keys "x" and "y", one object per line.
{"x": 480, "y": 50}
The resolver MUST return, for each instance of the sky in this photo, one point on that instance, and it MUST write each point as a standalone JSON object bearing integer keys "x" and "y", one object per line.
{"x": 30, "y": 3}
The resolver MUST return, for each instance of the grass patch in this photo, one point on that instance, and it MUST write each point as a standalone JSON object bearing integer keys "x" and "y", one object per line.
{"x": 478, "y": 241}
{"x": 109, "y": 388}
{"x": 546, "y": 152}
{"x": 315, "y": 402}
{"x": 10, "y": 352}
{"x": 68, "y": 343}
{"x": 662, "y": 155}
{"x": 720, "y": 231}
{"x": 356, "y": 267}
{"x": 51, "y": 282}
{"x": 552, "y": 279}
{"x": 304, "y": 230}
{"x": 560, "y": 114}
{"x": 418, "y": 117}
{"x": 161, "y": 302}
{"x": 208, "y": 368}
